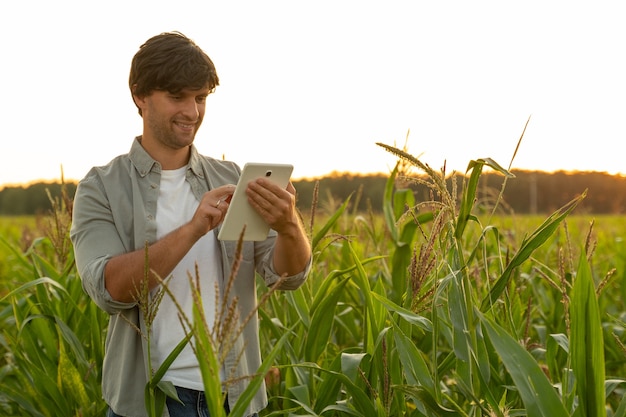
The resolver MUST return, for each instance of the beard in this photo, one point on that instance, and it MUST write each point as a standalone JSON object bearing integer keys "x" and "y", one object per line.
{"x": 174, "y": 134}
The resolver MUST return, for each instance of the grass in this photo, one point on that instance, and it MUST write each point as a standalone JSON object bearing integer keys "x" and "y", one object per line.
{"x": 435, "y": 308}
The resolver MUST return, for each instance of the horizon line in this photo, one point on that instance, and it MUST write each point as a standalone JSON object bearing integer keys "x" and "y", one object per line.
{"x": 330, "y": 174}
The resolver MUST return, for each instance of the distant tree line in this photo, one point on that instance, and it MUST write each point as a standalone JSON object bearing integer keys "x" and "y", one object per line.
{"x": 533, "y": 192}
{"x": 32, "y": 199}
{"x": 529, "y": 192}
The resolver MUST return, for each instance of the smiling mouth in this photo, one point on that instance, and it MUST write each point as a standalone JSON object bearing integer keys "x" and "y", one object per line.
{"x": 186, "y": 126}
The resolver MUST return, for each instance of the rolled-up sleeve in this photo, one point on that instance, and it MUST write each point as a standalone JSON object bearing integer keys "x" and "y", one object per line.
{"x": 96, "y": 240}
{"x": 265, "y": 267}
{"x": 292, "y": 282}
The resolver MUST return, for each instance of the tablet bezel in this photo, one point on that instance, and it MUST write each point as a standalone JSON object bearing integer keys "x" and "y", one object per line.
{"x": 240, "y": 213}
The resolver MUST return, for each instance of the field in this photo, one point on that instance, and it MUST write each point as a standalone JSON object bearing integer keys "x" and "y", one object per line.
{"x": 449, "y": 307}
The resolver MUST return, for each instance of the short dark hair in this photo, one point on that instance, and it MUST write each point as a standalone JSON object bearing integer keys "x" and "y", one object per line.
{"x": 170, "y": 62}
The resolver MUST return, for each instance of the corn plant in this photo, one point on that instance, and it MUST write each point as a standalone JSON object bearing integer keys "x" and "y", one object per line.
{"x": 445, "y": 320}
{"x": 52, "y": 336}
{"x": 437, "y": 307}
{"x": 211, "y": 343}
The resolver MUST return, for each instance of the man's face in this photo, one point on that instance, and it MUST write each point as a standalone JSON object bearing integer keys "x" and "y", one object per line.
{"x": 172, "y": 120}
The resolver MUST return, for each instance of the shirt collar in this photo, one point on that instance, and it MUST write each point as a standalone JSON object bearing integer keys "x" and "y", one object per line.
{"x": 144, "y": 163}
{"x": 194, "y": 162}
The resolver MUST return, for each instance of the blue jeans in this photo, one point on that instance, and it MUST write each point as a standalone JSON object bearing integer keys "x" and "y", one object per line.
{"x": 194, "y": 405}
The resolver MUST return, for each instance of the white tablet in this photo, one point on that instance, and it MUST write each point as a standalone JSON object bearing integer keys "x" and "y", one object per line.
{"x": 240, "y": 213}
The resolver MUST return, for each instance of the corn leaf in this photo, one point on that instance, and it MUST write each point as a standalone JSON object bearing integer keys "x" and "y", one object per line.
{"x": 424, "y": 397}
{"x": 529, "y": 245}
{"x": 331, "y": 221}
{"x": 469, "y": 194}
{"x": 328, "y": 388}
{"x": 322, "y": 321}
{"x": 587, "y": 345}
{"x": 255, "y": 383}
{"x": 207, "y": 358}
{"x": 420, "y": 321}
{"x": 539, "y": 396}
{"x": 69, "y": 379}
{"x": 359, "y": 398}
{"x": 415, "y": 368}
{"x": 388, "y": 211}
{"x": 34, "y": 283}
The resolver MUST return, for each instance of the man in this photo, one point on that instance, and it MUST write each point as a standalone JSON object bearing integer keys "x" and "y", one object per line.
{"x": 164, "y": 195}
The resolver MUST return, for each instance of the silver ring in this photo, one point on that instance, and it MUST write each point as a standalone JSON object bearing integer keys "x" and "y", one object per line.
{"x": 218, "y": 203}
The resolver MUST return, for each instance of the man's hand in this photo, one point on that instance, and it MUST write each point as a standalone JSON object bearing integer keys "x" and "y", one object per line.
{"x": 212, "y": 209}
{"x": 276, "y": 205}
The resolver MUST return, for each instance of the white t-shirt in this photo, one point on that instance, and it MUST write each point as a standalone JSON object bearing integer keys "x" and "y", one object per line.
{"x": 175, "y": 207}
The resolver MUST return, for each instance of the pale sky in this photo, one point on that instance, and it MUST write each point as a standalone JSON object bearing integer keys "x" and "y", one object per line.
{"x": 318, "y": 83}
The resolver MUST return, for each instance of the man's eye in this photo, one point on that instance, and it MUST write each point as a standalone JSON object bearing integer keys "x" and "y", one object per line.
{"x": 201, "y": 99}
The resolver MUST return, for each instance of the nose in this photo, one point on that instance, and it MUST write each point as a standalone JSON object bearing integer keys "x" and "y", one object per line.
{"x": 191, "y": 109}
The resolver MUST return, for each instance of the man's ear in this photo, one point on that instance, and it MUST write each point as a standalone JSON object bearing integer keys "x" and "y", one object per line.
{"x": 138, "y": 100}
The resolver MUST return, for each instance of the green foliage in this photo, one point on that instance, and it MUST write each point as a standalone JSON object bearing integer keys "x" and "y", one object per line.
{"x": 536, "y": 391}
{"x": 454, "y": 315}
{"x": 52, "y": 341}
{"x": 587, "y": 347}
{"x": 436, "y": 307}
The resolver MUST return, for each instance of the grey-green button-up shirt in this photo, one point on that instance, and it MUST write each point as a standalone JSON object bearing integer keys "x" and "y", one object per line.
{"x": 115, "y": 212}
